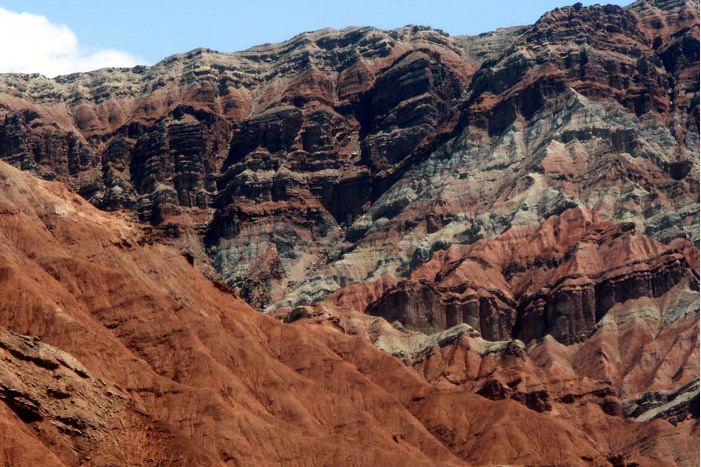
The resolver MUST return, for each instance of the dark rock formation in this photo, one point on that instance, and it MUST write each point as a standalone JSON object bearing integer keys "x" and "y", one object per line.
{"x": 559, "y": 279}
{"x": 444, "y": 198}
{"x": 309, "y": 146}
{"x": 674, "y": 406}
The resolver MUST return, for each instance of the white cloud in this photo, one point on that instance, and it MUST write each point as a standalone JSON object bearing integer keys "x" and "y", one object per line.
{"x": 32, "y": 44}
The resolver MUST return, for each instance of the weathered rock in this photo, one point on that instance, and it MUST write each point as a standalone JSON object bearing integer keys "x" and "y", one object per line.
{"x": 535, "y": 184}
{"x": 559, "y": 279}
{"x": 674, "y": 406}
{"x": 336, "y": 145}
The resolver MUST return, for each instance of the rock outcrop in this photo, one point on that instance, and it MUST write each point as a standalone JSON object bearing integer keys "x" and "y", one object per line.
{"x": 317, "y": 155}
{"x": 558, "y": 279}
{"x": 468, "y": 240}
{"x": 675, "y": 407}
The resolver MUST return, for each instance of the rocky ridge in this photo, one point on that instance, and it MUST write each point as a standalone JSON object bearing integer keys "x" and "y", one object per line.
{"x": 196, "y": 377}
{"x": 513, "y": 216}
{"x": 312, "y": 149}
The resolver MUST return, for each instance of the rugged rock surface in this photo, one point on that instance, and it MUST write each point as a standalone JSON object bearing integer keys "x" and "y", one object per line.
{"x": 514, "y": 216}
{"x": 559, "y": 279}
{"x": 317, "y": 156}
{"x": 676, "y": 406}
{"x": 175, "y": 370}
{"x": 539, "y": 132}
{"x": 281, "y": 143}
{"x": 55, "y": 398}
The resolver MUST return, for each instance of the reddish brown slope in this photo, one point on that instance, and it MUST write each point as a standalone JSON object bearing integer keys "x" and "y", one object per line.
{"x": 177, "y": 370}
{"x": 199, "y": 376}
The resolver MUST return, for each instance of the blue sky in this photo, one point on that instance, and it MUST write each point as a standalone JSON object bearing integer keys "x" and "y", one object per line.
{"x": 147, "y": 31}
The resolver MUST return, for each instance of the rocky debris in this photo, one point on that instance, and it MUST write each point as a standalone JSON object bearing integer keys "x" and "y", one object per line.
{"x": 43, "y": 384}
{"x": 413, "y": 347}
{"x": 536, "y": 400}
{"x": 303, "y": 312}
{"x": 675, "y": 406}
{"x": 64, "y": 404}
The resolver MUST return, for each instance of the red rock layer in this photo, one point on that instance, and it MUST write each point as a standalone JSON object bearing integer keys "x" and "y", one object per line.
{"x": 156, "y": 364}
{"x": 560, "y": 279}
{"x": 291, "y": 147}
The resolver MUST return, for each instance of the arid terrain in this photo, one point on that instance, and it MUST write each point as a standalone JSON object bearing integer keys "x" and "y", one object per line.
{"x": 360, "y": 247}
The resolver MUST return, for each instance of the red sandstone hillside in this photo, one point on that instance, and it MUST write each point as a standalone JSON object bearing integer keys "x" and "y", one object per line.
{"x": 483, "y": 249}
{"x": 137, "y": 358}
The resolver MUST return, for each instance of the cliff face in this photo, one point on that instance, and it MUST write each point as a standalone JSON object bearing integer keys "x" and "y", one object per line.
{"x": 280, "y": 143}
{"x": 514, "y": 215}
{"x": 136, "y": 358}
{"x": 292, "y": 155}
{"x": 558, "y": 279}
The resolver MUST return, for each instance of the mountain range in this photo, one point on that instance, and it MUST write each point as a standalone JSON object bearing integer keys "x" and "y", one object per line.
{"x": 360, "y": 247}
